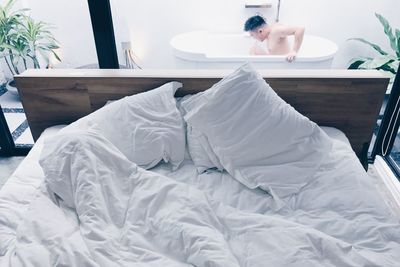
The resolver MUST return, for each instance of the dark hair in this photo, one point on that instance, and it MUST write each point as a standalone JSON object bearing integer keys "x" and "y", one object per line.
{"x": 254, "y": 22}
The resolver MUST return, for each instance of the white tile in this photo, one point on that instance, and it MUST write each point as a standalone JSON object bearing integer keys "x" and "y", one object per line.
{"x": 14, "y": 120}
{"x": 25, "y": 138}
{"x": 9, "y": 100}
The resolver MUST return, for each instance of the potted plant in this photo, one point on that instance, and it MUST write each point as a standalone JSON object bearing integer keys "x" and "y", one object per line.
{"x": 23, "y": 41}
{"x": 385, "y": 61}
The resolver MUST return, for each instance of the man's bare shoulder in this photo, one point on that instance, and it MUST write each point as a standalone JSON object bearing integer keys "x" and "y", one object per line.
{"x": 284, "y": 30}
{"x": 278, "y": 27}
{"x": 277, "y": 30}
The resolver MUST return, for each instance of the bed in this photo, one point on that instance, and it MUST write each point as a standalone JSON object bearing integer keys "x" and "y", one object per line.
{"x": 183, "y": 217}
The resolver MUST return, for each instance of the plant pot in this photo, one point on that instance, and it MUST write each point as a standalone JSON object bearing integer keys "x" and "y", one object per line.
{"x": 11, "y": 87}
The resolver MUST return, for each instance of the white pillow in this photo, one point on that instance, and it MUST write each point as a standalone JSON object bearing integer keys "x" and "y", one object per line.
{"x": 145, "y": 127}
{"x": 199, "y": 149}
{"x": 259, "y": 139}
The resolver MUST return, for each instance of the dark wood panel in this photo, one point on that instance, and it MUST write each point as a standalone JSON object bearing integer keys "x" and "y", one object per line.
{"x": 349, "y": 102}
{"x": 49, "y": 102}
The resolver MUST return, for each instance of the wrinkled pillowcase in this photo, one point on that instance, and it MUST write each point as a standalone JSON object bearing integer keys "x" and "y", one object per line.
{"x": 202, "y": 155}
{"x": 258, "y": 138}
{"x": 145, "y": 127}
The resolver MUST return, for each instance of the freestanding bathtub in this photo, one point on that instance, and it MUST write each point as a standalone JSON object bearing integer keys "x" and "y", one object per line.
{"x": 201, "y": 49}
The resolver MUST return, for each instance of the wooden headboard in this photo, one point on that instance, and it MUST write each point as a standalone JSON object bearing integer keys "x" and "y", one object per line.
{"x": 349, "y": 100}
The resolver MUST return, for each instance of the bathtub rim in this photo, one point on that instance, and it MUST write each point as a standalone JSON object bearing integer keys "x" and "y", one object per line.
{"x": 185, "y": 53}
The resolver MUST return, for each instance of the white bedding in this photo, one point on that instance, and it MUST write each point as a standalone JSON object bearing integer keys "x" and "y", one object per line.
{"x": 258, "y": 138}
{"x": 343, "y": 202}
{"x": 339, "y": 220}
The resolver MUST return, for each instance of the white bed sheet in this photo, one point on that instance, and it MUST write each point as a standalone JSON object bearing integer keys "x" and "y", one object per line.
{"x": 345, "y": 204}
{"x": 19, "y": 190}
{"x": 343, "y": 201}
{"x": 218, "y": 183}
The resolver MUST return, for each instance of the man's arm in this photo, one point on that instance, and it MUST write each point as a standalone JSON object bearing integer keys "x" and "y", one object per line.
{"x": 298, "y": 33}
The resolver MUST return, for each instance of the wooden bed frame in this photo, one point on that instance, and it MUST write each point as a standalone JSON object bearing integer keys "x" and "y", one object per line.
{"x": 349, "y": 100}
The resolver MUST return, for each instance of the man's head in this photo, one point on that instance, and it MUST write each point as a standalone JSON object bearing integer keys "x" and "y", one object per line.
{"x": 256, "y": 27}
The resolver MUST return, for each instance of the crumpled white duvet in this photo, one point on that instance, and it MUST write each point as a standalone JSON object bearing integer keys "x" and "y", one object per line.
{"x": 99, "y": 209}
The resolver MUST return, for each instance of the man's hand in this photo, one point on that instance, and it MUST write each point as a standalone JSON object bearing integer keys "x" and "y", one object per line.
{"x": 291, "y": 56}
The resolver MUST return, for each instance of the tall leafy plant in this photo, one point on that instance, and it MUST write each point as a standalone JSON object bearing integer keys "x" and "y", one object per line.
{"x": 22, "y": 39}
{"x": 385, "y": 61}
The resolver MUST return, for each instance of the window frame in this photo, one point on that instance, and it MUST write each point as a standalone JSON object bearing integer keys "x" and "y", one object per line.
{"x": 103, "y": 31}
{"x": 390, "y": 123}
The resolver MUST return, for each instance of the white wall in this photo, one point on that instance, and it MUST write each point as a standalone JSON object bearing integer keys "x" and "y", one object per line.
{"x": 339, "y": 20}
{"x": 152, "y": 24}
{"x": 149, "y": 25}
{"x": 72, "y": 28}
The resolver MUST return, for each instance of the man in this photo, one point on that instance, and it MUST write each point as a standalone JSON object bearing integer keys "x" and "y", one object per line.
{"x": 276, "y": 35}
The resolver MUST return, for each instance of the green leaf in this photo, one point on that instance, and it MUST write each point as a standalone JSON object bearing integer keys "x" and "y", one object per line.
{"x": 355, "y": 63}
{"x": 374, "y": 46}
{"x": 394, "y": 65}
{"x": 56, "y": 56}
{"x": 21, "y": 37}
{"x": 7, "y": 46}
{"x": 397, "y": 32}
{"x": 388, "y": 31}
{"x": 377, "y": 62}
{"x": 52, "y": 46}
{"x": 387, "y": 68}
{"x": 365, "y": 64}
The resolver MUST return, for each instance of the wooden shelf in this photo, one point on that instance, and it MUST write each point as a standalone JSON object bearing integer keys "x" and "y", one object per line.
{"x": 257, "y": 4}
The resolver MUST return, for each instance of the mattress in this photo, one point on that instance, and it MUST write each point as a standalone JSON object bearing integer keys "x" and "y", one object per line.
{"x": 345, "y": 205}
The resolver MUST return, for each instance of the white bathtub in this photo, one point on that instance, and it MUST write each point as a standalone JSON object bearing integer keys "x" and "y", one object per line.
{"x": 203, "y": 49}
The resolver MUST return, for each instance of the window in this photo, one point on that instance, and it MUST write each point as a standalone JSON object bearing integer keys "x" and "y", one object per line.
{"x": 387, "y": 141}
{"x": 74, "y": 46}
